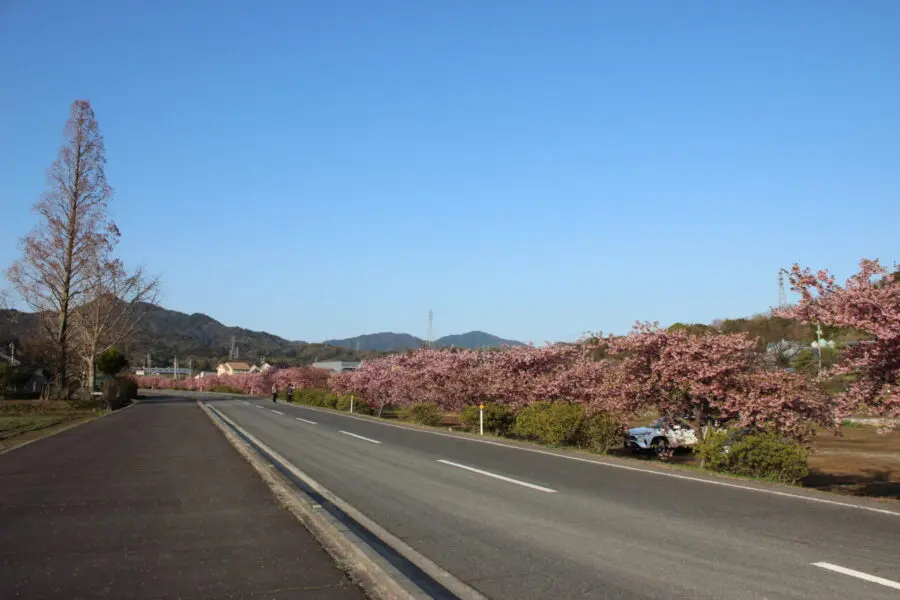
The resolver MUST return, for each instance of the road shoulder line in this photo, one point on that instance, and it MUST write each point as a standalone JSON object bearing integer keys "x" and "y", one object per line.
{"x": 375, "y": 574}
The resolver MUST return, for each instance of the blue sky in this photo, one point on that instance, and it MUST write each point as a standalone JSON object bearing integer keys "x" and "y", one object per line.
{"x": 532, "y": 169}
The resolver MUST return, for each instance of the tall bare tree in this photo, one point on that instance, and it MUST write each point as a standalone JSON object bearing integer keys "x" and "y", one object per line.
{"x": 114, "y": 304}
{"x": 74, "y": 232}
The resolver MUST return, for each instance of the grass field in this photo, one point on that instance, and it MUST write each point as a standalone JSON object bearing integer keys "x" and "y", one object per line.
{"x": 26, "y": 420}
{"x": 11, "y": 426}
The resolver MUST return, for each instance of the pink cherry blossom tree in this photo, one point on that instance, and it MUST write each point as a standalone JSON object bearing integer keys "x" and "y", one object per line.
{"x": 709, "y": 376}
{"x": 869, "y": 302}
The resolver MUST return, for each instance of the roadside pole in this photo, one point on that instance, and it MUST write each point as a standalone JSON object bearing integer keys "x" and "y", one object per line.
{"x": 481, "y": 419}
{"x": 351, "y": 404}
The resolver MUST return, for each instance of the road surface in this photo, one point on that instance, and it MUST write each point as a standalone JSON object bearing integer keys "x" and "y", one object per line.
{"x": 150, "y": 503}
{"x": 521, "y": 525}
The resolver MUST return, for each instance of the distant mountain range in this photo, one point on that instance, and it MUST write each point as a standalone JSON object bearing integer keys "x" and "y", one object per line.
{"x": 394, "y": 342}
{"x": 203, "y": 341}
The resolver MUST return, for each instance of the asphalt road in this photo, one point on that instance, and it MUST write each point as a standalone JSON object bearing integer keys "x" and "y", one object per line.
{"x": 572, "y": 529}
{"x": 151, "y": 503}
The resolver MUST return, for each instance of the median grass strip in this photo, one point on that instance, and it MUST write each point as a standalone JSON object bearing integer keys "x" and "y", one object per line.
{"x": 23, "y": 421}
{"x": 11, "y": 426}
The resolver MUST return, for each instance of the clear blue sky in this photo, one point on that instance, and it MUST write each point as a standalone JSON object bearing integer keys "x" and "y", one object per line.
{"x": 532, "y": 169}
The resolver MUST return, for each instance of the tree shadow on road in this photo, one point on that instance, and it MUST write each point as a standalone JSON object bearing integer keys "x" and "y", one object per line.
{"x": 883, "y": 483}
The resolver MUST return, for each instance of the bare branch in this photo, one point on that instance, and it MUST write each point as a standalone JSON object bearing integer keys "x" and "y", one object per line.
{"x": 73, "y": 234}
{"x": 115, "y": 303}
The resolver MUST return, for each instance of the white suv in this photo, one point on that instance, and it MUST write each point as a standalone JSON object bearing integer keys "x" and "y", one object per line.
{"x": 661, "y": 435}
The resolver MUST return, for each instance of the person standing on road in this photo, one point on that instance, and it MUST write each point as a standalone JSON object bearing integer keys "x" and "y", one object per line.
{"x": 290, "y": 393}
{"x": 275, "y": 392}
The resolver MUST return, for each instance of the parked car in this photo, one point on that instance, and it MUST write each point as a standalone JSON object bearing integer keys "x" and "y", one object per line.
{"x": 660, "y": 435}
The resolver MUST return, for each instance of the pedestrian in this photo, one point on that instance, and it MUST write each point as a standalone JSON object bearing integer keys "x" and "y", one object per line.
{"x": 275, "y": 392}
{"x": 290, "y": 393}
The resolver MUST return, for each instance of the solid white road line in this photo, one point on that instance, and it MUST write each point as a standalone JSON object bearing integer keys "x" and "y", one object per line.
{"x": 277, "y": 412}
{"x": 258, "y": 406}
{"x": 858, "y": 574}
{"x": 361, "y": 437}
{"x": 306, "y": 421}
{"x": 501, "y": 477}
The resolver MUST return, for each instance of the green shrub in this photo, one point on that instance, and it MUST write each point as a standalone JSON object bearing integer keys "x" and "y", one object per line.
{"x": 553, "y": 423}
{"x": 130, "y": 386}
{"x": 562, "y": 422}
{"x": 528, "y": 421}
{"x": 715, "y": 448}
{"x": 757, "y": 455}
{"x": 497, "y": 419}
{"x": 601, "y": 432}
{"x": 111, "y": 362}
{"x": 423, "y": 414}
{"x": 360, "y": 407}
{"x": 118, "y": 392}
{"x": 315, "y": 397}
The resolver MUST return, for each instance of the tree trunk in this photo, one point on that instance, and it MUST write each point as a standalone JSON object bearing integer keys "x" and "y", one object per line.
{"x": 91, "y": 370}
{"x": 66, "y": 291}
{"x": 699, "y": 419}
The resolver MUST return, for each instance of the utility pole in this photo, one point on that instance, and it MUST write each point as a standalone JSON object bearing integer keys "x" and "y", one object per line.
{"x": 175, "y": 370}
{"x": 819, "y": 350}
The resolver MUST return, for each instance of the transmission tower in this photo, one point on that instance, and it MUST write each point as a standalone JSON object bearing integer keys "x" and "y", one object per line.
{"x": 430, "y": 328}
{"x": 232, "y": 353}
{"x": 782, "y": 296}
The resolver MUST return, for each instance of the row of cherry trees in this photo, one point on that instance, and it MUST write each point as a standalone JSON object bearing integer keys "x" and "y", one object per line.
{"x": 256, "y": 383}
{"x": 712, "y": 375}
{"x": 718, "y": 376}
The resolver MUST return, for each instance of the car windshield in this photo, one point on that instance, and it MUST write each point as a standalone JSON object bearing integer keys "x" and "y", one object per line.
{"x": 663, "y": 422}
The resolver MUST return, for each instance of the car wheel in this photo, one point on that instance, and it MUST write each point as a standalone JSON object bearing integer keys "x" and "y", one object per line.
{"x": 660, "y": 446}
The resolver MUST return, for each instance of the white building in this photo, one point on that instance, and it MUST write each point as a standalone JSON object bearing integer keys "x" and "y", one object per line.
{"x": 338, "y": 366}
{"x": 232, "y": 368}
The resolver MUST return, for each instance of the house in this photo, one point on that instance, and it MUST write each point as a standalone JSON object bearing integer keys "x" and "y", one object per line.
{"x": 203, "y": 374}
{"x": 232, "y": 368}
{"x": 338, "y": 366}
{"x": 263, "y": 368}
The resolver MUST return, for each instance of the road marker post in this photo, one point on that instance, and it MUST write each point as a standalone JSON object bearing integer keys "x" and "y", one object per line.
{"x": 481, "y": 419}
{"x": 351, "y": 404}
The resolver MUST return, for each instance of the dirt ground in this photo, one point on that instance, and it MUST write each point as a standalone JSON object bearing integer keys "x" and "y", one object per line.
{"x": 860, "y": 462}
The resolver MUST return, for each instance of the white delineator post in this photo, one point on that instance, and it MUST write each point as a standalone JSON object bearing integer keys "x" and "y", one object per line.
{"x": 481, "y": 419}
{"x": 351, "y": 404}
